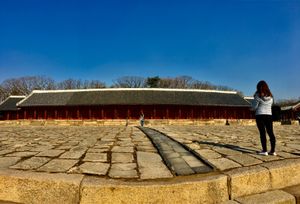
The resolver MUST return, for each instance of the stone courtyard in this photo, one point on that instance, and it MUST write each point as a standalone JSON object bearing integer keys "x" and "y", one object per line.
{"x": 143, "y": 156}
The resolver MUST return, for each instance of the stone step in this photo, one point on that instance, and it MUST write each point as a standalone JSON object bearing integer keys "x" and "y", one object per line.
{"x": 270, "y": 197}
{"x": 36, "y": 188}
{"x": 295, "y": 191}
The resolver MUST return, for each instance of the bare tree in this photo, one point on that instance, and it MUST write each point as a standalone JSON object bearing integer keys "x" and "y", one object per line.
{"x": 181, "y": 82}
{"x": 165, "y": 83}
{"x": 14, "y": 87}
{"x": 24, "y": 85}
{"x": 96, "y": 84}
{"x": 36, "y": 83}
{"x": 3, "y": 94}
{"x": 70, "y": 84}
{"x": 130, "y": 82}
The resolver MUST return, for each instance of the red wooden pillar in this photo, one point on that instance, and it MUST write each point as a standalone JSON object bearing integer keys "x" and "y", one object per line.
{"x": 102, "y": 113}
{"x": 67, "y": 113}
{"x": 115, "y": 113}
{"x": 7, "y": 116}
{"x": 55, "y": 114}
{"x": 90, "y": 113}
{"x": 167, "y": 113}
{"x": 45, "y": 114}
{"x": 77, "y": 113}
{"x": 179, "y": 113}
{"x": 34, "y": 114}
{"x": 128, "y": 112}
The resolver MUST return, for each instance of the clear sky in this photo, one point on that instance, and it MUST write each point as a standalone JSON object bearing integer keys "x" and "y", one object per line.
{"x": 234, "y": 43}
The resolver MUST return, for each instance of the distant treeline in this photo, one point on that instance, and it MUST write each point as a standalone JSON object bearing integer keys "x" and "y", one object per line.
{"x": 24, "y": 85}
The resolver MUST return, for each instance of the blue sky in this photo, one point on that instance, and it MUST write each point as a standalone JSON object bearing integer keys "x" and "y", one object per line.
{"x": 234, "y": 43}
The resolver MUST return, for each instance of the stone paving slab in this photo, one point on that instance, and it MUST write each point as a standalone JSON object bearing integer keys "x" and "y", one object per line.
{"x": 95, "y": 157}
{"x": 245, "y": 160}
{"x": 58, "y": 165}
{"x": 50, "y": 153}
{"x": 94, "y": 168}
{"x": 223, "y": 163}
{"x": 6, "y": 162}
{"x": 32, "y": 163}
{"x": 151, "y": 166}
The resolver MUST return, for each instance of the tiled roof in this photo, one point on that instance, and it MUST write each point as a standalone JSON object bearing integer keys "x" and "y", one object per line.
{"x": 291, "y": 107}
{"x": 133, "y": 96}
{"x": 250, "y": 99}
{"x": 9, "y": 104}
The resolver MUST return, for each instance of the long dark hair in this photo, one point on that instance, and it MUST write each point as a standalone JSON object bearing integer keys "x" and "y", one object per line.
{"x": 262, "y": 89}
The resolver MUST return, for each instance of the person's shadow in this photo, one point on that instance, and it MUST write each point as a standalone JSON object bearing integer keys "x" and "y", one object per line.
{"x": 237, "y": 148}
{"x": 229, "y": 146}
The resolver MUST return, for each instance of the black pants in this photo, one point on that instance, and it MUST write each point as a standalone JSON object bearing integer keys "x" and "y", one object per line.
{"x": 264, "y": 122}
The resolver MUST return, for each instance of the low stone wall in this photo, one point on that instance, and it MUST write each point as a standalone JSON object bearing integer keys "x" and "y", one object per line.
{"x": 150, "y": 122}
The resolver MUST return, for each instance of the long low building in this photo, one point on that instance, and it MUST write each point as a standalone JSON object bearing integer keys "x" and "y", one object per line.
{"x": 291, "y": 112}
{"x": 129, "y": 103}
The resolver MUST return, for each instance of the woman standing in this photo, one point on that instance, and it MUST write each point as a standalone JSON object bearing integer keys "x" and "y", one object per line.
{"x": 263, "y": 100}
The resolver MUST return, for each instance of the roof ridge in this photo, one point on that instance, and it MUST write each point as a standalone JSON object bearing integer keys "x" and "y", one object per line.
{"x": 134, "y": 89}
{"x": 17, "y": 96}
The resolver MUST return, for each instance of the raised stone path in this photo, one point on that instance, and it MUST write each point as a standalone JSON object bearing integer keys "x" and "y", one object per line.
{"x": 177, "y": 158}
{"x": 117, "y": 164}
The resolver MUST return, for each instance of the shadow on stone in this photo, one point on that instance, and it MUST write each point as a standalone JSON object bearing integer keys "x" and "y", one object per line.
{"x": 229, "y": 146}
